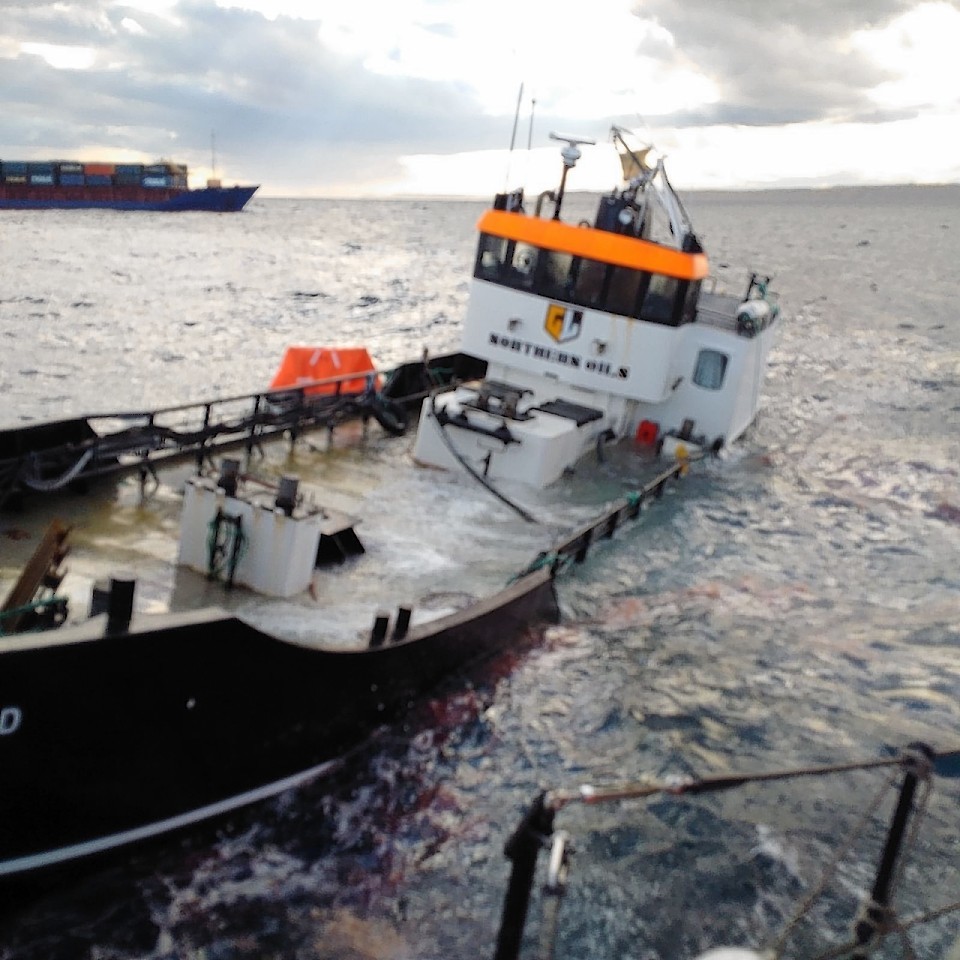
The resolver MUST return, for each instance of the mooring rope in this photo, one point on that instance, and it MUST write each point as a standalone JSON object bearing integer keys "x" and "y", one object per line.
{"x": 588, "y": 794}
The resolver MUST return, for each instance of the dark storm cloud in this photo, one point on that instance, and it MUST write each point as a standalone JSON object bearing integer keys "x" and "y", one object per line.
{"x": 778, "y": 62}
{"x": 296, "y": 112}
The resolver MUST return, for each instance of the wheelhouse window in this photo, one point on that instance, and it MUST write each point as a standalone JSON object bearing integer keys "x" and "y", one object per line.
{"x": 558, "y": 275}
{"x": 491, "y": 257}
{"x": 585, "y": 282}
{"x": 588, "y": 290}
{"x": 690, "y": 291}
{"x": 710, "y": 370}
{"x": 506, "y": 261}
{"x": 660, "y": 300}
{"x": 523, "y": 266}
{"x": 624, "y": 292}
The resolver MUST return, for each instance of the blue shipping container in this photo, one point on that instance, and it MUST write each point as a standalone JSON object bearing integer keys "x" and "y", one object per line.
{"x": 98, "y": 180}
{"x": 156, "y": 181}
{"x": 17, "y": 167}
{"x": 42, "y": 179}
{"x": 71, "y": 179}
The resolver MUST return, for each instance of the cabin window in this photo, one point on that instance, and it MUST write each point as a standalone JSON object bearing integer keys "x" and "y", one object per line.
{"x": 558, "y": 277}
{"x": 659, "y": 302}
{"x": 624, "y": 292}
{"x": 585, "y": 282}
{"x": 691, "y": 294}
{"x": 491, "y": 257}
{"x": 710, "y": 370}
{"x": 506, "y": 261}
{"x": 523, "y": 266}
{"x": 588, "y": 290}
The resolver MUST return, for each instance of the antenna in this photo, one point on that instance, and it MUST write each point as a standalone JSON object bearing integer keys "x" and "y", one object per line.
{"x": 571, "y": 154}
{"x": 516, "y": 117}
{"x": 513, "y": 137}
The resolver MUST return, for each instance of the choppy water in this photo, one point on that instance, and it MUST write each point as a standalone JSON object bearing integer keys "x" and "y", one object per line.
{"x": 797, "y": 602}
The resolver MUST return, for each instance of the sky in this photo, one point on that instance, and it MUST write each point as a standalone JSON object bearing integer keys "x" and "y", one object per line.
{"x": 426, "y": 97}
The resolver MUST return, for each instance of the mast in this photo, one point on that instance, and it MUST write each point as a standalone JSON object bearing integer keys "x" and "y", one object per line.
{"x": 513, "y": 139}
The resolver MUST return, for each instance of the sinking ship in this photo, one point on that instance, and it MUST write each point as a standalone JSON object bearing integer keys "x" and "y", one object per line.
{"x": 597, "y": 332}
{"x": 577, "y": 335}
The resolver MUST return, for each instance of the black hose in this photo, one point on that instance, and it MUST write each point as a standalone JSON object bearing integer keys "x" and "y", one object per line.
{"x": 473, "y": 473}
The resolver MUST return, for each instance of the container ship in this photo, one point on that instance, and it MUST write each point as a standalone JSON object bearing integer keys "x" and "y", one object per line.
{"x": 67, "y": 184}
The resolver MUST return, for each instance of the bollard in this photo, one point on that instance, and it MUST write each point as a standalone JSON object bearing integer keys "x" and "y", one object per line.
{"x": 402, "y": 624}
{"x": 120, "y": 604}
{"x": 287, "y": 494}
{"x": 379, "y": 633}
{"x": 229, "y": 474}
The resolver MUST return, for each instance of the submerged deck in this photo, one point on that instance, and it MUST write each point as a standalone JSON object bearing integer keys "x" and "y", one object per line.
{"x": 434, "y": 543}
{"x": 51, "y": 457}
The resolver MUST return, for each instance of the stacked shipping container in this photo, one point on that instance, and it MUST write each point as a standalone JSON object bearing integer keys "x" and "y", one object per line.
{"x": 67, "y": 173}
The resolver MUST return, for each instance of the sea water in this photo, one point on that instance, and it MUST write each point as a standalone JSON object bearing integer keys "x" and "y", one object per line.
{"x": 793, "y": 603}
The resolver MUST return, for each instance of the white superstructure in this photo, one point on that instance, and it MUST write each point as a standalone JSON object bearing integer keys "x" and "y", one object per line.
{"x": 596, "y": 333}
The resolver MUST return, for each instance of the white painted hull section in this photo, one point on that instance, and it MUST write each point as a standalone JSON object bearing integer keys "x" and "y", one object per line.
{"x": 546, "y": 446}
{"x": 628, "y": 371}
{"x": 278, "y": 553}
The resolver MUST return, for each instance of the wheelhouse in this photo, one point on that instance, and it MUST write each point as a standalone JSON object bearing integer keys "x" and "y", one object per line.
{"x": 592, "y": 266}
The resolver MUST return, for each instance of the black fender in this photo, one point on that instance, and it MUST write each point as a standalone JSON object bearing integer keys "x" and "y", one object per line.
{"x": 392, "y": 416}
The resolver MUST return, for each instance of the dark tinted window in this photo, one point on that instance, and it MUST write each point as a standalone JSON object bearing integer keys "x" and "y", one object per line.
{"x": 491, "y": 257}
{"x": 558, "y": 277}
{"x": 710, "y": 370}
{"x": 587, "y": 283}
{"x": 624, "y": 292}
{"x": 588, "y": 290}
{"x": 659, "y": 300}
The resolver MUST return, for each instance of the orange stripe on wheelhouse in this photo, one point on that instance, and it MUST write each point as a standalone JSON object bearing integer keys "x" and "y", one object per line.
{"x": 596, "y": 244}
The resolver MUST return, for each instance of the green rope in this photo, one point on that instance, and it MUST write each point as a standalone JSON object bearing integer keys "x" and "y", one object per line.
{"x": 37, "y": 606}
{"x": 217, "y": 552}
{"x": 561, "y": 562}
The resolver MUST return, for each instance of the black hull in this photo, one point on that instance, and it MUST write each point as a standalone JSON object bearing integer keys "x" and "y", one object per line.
{"x": 108, "y": 740}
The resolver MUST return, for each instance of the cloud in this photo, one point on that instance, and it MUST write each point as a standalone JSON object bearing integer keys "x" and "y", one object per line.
{"x": 332, "y": 98}
{"x": 778, "y": 62}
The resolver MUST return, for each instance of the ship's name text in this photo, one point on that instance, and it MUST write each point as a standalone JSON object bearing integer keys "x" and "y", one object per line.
{"x": 562, "y": 357}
